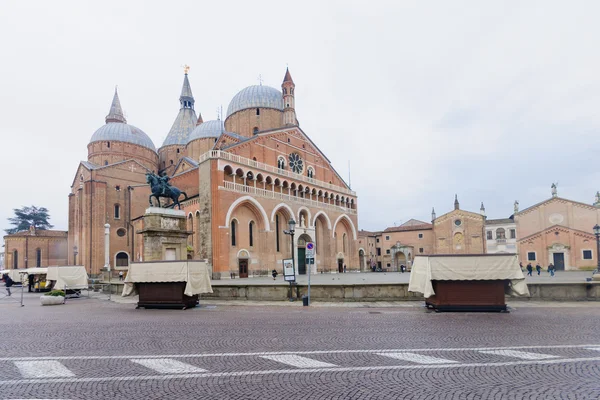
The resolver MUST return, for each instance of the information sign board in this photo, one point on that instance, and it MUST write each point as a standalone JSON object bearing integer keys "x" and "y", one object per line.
{"x": 288, "y": 270}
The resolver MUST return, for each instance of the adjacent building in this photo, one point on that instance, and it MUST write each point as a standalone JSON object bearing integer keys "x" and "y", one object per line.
{"x": 35, "y": 248}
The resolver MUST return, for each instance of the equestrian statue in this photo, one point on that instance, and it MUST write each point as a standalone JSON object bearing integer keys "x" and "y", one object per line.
{"x": 161, "y": 187}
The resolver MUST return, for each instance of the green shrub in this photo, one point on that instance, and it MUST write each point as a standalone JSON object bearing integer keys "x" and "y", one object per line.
{"x": 55, "y": 293}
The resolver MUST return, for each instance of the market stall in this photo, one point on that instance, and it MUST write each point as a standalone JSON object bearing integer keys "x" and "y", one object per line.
{"x": 467, "y": 282}
{"x": 167, "y": 284}
{"x": 71, "y": 279}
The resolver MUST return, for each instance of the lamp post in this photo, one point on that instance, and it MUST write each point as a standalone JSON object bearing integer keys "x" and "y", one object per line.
{"x": 291, "y": 231}
{"x": 597, "y": 233}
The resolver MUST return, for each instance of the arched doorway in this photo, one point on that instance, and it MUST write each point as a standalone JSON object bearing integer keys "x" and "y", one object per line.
{"x": 400, "y": 260}
{"x": 340, "y": 262}
{"x": 243, "y": 257}
{"x": 302, "y": 240}
{"x": 361, "y": 260}
{"x": 122, "y": 259}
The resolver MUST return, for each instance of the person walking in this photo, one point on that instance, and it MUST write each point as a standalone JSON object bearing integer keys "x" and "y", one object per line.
{"x": 274, "y": 274}
{"x": 344, "y": 268}
{"x": 120, "y": 275}
{"x": 551, "y": 269}
{"x": 8, "y": 282}
{"x": 538, "y": 268}
{"x": 529, "y": 269}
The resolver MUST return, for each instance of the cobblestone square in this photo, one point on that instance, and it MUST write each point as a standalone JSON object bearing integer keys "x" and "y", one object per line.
{"x": 96, "y": 349}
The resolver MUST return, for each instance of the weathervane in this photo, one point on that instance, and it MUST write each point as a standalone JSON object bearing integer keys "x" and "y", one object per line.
{"x": 186, "y": 68}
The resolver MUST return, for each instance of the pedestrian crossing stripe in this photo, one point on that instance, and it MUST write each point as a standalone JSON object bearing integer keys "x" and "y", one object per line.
{"x": 298, "y": 361}
{"x": 417, "y": 358}
{"x": 43, "y": 369}
{"x": 523, "y": 355}
{"x": 167, "y": 365}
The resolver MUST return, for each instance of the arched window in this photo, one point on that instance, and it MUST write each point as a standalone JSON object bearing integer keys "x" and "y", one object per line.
{"x": 233, "y": 226}
{"x": 251, "y": 233}
{"x": 277, "y": 231}
{"x": 310, "y": 172}
{"x": 15, "y": 259}
{"x": 108, "y": 144}
{"x": 284, "y": 91}
{"x": 500, "y": 234}
{"x": 122, "y": 259}
{"x": 38, "y": 257}
{"x": 280, "y": 163}
{"x": 258, "y": 111}
{"x": 255, "y": 130}
{"x": 171, "y": 162}
{"x": 344, "y": 243}
{"x": 117, "y": 211}
{"x": 177, "y": 151}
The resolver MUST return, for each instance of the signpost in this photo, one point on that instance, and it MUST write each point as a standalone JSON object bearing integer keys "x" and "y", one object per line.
{"x": 289, "y": 275}
{"x": 310, "y": 260}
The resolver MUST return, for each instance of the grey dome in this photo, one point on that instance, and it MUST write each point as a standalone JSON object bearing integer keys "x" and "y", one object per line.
{"x": 254, "y": 97}
{"x": 117, "y": 131}
{"x": 208, "y": 129}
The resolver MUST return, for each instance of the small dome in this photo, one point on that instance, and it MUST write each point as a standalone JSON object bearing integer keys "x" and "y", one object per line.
{"x": 255, "y": 97}
{"x": 208, "y": 129}
{"x": 116, "y": 131}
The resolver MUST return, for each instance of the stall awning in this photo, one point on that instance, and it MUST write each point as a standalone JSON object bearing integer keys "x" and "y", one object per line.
{"x": 68, "y": 277}
{"x": 194, "y": 273}
{"x": 467, "y": 268}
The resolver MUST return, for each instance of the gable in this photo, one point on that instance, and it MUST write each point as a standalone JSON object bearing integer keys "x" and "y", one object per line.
{"x": 185, "y": 164}
{"x": 554, "y": 200}
{"x": 130, "y": 165}
{"x": 459, "y": 213}
{"x": 268, "y": 147}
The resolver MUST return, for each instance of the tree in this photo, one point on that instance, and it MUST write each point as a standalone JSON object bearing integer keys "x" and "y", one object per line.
{"x": 29, "y": 216}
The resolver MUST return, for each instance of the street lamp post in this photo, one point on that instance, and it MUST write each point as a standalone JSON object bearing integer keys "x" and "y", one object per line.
{"x": 291, "y": 230}
{"x": 597, "y": 233}
{"x": 75, "y": 252}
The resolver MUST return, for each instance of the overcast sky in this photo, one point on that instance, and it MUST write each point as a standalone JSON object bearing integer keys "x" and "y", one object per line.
{"x": 425, "y": 99}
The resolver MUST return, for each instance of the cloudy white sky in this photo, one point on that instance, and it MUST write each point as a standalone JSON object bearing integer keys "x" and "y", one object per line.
{"x": 490, "y": 100}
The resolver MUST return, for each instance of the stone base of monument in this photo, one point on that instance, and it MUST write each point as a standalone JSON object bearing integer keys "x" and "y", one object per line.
{"x": 596, "y": 277}
{"x": 165, "y": 234}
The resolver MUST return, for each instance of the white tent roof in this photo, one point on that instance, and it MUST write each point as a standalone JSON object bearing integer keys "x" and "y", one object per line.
{"x": 194, "y": 273}
{"x": 71, "y": 277}
{"x": 467, "y": 268}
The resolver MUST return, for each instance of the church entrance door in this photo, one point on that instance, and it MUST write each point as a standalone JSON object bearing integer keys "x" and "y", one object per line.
{"x": 559, "y": 261}
{"x": 340, "y": 265}
{"x": 243, "y": 266}
{"x": 302, "y": 261}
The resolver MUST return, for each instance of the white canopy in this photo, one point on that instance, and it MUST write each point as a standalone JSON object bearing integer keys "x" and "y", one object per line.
{"x": 194, "y": 273}
{"x": 71, "y": 277}
{"x": 467, "y": 268}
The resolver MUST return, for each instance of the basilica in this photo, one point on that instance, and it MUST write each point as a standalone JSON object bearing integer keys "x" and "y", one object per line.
{"x": 245, "y": 177}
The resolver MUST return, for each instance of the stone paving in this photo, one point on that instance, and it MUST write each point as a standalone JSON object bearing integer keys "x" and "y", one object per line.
{"x": 96, "y": 349}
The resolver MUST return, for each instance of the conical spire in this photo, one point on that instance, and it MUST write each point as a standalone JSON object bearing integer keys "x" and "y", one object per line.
{"x": 482, "y": 209}
{"x": 186, "y": 99}
{"x": 116, "y": 112}
{"x": 287, "y": 77}
{"x": 200, "y": 120}
{"x": 433, "y": 216}
{"x": 456, "y": 204}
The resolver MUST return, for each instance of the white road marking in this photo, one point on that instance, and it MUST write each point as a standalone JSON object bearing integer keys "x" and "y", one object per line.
{"x": 271, "y": 353}
{"x": 417, "y": 358}
{"x": 43, "y": 369}
{"x": 519, "y": 354}
{"x": 298, "y": 361}
{"x": 167, "y": 366}
{"x": 289, "y": 371}
{"x": 593, "y": 348}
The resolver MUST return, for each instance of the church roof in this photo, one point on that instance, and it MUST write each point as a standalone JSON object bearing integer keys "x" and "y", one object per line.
{"x": 117, "y": 129}
{"x": 414, "y": 222}
{"x": 287, "y": 77}
{"x": 589, "y": 206}
{"x": 416, "y": 227}
{"x": 186, "y": 119}
{"x": 208, "y": 129}
{"x": 255, "y": 97}
{"x": 39, "y": 233}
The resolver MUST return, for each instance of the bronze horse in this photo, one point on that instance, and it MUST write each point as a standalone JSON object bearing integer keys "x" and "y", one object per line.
{"x": 161, "y": 188}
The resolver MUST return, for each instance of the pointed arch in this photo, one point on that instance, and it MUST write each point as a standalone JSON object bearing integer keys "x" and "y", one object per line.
{"x": 326, "y": 218}
{"x": 253, "y": 202}
{"x": 278, "y": 207}
{"x": 347, "y": 218}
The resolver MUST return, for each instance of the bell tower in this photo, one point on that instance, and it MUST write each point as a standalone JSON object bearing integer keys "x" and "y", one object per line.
{"x": 289, "y": 110}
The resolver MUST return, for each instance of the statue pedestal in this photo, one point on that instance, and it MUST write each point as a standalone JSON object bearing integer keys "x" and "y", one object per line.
{"x": 165, "y": 234}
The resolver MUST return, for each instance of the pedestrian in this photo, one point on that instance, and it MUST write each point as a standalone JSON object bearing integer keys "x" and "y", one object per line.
{"x": 538, "y": 268}
{"x": 402, "y": 268}
{"x": 8, "y": 282}
{"x": 344, "y": 268}
{"x": 30, "y": 282}
{"x": 529, "y": 269}
{"x": 120, "y": 275}
{"x": 274, "y": 274}
{"x": 521, "y": 265}
{"x": 551, "y": 269}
